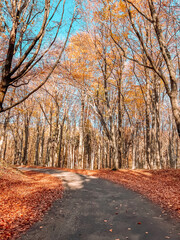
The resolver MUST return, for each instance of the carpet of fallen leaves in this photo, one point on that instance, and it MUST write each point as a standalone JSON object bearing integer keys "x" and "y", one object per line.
{"x": 24, "y": 197}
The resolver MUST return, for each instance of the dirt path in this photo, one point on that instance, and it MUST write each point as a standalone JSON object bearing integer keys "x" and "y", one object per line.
{"x": 95, "y": 209}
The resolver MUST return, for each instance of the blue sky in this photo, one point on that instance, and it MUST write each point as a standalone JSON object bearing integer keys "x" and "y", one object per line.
{"x": 69, "y": 9}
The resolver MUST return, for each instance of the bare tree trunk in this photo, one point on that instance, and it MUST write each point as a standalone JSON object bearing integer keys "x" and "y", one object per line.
{"x": 81, "y": 133}
{"x": 178, "y": 154}
{"x": 99, "y": 157}
{"x": 72, "y": 155}
{"x": 119, "y": 103}
{"x": 3, "y": 145}
{"x": 148, "y": 140}
{"x": 42, "y": 146}
{"x": 115, "y": 148}
{"x": 92, "y": 159}
{"x": 134, "y": 147}
{"x": 60, "y": 141}
{"x": 158, "y": 130}
{"x": 154, "y": 152}
{"x": 63, "y": 163}
{"x": 49, "y": 141}
{"x": 26, "y": 137}
{"x": 36, "y": 162}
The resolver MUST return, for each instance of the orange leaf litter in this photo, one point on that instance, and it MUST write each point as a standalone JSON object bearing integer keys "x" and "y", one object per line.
{"x": 23, "y": 199}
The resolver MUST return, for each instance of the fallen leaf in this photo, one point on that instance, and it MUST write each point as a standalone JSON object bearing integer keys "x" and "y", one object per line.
{"x": 110, "y": 230}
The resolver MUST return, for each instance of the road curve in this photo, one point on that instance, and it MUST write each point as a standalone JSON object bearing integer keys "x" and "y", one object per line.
{"x": 96, "y": 209}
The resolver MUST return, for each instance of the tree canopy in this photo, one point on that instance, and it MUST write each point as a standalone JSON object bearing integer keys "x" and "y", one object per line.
{"x": 107, "y": 74}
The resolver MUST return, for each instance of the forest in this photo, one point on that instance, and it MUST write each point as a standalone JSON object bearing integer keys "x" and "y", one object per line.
{"x": 90, "y": 84}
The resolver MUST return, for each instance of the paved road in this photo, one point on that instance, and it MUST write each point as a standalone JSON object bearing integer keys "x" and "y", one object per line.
{"x": 96, "y": 209}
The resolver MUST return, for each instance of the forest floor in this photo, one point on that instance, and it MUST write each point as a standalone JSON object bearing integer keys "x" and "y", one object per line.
{"x": 20, "y": 195}
{"x": 93, "y": 208}
{"x": 160, "y": 186}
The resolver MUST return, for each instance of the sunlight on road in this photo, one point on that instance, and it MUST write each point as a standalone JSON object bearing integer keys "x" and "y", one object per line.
{"x": 71, "y": 180}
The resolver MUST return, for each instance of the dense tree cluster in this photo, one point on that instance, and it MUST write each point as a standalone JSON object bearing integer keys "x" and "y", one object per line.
{"x": 112, "y": 98}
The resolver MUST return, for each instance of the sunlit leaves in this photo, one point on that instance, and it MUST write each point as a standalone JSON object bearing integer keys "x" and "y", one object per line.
{"x": 80, "y": 56}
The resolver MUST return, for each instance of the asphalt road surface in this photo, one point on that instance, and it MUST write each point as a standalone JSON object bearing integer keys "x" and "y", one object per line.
{"x": 96, "y": 209}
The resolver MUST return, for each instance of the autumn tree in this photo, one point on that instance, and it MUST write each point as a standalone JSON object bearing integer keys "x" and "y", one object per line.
{"x": 153, "y": 22}
{"x": 27, "y": 27}
{"x": 106, "y": 105}
{"x": 79, "y": 70}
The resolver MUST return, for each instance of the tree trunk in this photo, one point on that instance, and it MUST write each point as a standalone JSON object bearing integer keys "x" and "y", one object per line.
{"x": 81, "y": 134}
{"x": 25, "y": 148}
{"x": 148, "y": 140}
{"x": 36, "y": 162}
{"x": 119, "y": 132}
{"x": 60, "y": 141}
{"x": 42, "y": 146}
